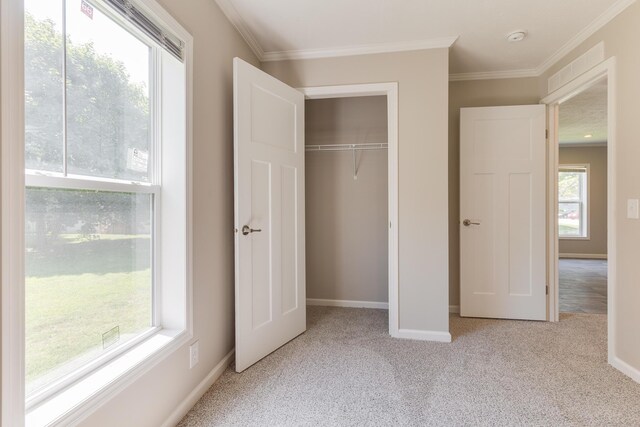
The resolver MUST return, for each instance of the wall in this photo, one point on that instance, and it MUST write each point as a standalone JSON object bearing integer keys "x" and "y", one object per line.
{"x": 596, "y": 157}
{"x": 474, "y": 93}
{"x": 422, "y": 78}
{"x": 1, "y": 358}
{"x": 150, "y": 400}
{"x": 346, "y": 219}
{"x": 620, "y": 38}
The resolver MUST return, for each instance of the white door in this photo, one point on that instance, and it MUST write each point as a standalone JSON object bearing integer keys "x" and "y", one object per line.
{"x": 502, "y": 212}
{"x": 269, "y": 213}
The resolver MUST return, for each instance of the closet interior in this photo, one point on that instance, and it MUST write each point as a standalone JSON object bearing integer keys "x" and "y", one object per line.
{"x": 347, "y": 200}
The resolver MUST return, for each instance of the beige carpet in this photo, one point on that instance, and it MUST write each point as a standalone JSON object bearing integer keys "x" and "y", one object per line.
{"x": 346, "y": 370}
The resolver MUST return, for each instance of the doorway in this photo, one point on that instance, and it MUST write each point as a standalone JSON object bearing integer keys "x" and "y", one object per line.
{"x": 582, "y": 201}
{"x": 600, "y": 78}
{"x": 269, "y": 187}
{"x": 361, "y": 156}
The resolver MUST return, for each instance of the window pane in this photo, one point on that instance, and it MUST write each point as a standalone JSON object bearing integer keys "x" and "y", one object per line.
{"x": 569, "y": 185}
{"x": 569, "y": 219}
{"x": 88, "y": 277}
{"x": 43, "y": 56}
{"x": 108, "y": 106}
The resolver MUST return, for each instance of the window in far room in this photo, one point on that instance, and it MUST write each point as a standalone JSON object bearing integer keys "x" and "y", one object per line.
{"x": 573, "y": 206}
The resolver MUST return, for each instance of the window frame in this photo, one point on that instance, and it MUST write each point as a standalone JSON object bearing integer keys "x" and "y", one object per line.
{"x": 66, "y": 181}
{"x": 175, "y": 328}
{"x": 583, "y": 202}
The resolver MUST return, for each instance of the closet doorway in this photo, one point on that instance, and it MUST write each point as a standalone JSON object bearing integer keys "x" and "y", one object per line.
{"x": 351, "y": 191}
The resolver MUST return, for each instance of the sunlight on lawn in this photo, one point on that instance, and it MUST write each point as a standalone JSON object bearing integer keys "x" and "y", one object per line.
{"x": 67, "y": 313}
{"x": 568, "y": 227}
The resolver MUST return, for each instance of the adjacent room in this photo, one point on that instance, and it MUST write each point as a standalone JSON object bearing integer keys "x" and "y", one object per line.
{"x": 243, "y": 212}
{"x": 583, "y": 201}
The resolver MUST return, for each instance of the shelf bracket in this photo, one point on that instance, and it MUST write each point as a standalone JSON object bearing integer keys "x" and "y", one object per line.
{"x": 355, "y": 166}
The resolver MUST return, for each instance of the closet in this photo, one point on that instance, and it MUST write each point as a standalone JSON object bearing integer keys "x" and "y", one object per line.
{"x": 346, "y": 190}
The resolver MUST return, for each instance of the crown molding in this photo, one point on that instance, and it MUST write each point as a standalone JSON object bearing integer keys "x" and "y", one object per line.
{"x": 436, "y": 43}
{"x": 614, "y": 10}
{"x": 602, "y": 20}
{"x": 494, "y": 75}
{"x": 444, "y": 42}
{"x": 236, "y": 20}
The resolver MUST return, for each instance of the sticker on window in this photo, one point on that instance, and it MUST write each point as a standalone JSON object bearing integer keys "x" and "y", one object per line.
{"x": 137, "y": 160}
{"x": 110, "y": 337}
{"x": 86, "y": 8}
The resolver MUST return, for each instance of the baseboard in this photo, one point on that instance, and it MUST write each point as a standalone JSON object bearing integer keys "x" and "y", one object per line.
{"x": 584, "y": 256}
{"x": 454, "y": 309}
{"x": 347, "y": 303}
{"x": 193, "y": 397}
{"x": 413, "y": 334}
{"x": 626, "y": 369}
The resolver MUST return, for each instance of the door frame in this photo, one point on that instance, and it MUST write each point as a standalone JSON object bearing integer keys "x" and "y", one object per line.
{"x": 606, "y": 69}
{"x": 390, "y": 90}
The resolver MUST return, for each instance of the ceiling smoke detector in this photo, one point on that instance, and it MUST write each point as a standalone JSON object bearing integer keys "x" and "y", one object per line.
{"x": 517, "y": 36}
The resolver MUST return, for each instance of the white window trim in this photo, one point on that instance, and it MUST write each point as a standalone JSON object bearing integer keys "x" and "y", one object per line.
{"x": 586, "y": 204}
{"x": 88, "y": 394}
{"x": 12, "y": 104}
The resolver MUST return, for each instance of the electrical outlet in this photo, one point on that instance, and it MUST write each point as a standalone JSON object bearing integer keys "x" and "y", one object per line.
{"x": 194, "y": 354}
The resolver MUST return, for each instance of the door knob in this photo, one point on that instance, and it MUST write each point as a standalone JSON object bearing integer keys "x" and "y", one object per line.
{"x": 248, "y": 230}
{"x": 468, "y": 222}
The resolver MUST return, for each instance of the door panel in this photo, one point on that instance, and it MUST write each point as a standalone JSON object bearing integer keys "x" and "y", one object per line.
{"x": 520, "y": 234}
{"x": 502, "y": 194}
{"x": 289, "y": 248}
{"x": 269, "y": 203}
{"x": 481, "y": 239}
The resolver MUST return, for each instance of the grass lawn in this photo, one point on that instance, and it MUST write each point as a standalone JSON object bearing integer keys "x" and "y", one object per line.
{"x": 568, "y": 227}
{"x": 76, "y": 290}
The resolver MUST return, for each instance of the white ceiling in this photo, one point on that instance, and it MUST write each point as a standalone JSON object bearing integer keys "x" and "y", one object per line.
{"x": 584, "y": 114}
{"x": 282, "y": 29}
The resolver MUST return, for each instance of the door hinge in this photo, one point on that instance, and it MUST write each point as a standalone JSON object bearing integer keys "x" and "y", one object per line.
{"x": 547, "y": 290}
{"x": 546, "y": 133}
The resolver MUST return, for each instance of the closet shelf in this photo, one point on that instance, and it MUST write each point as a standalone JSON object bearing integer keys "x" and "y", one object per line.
{"x": 347, "y": 147}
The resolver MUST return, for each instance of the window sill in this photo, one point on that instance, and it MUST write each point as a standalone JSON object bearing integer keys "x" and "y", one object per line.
{"x": 86, "y": 395}
{"x": 575, "y": 238}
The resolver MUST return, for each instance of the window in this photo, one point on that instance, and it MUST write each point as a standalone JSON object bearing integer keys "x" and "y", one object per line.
{"x": 573, "y": 215}
{"x": 97, "y": 82}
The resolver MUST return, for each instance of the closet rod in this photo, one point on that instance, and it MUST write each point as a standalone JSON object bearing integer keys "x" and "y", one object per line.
{"x": 347, "y": 147}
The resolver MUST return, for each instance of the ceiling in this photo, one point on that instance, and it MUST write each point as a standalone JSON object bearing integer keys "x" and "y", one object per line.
{"x": 477, "y": 29}
{"x": 585, "y": 114}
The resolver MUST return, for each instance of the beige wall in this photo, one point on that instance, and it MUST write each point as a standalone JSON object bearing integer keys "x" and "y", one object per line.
{"x": 346, "y": 219}
{"x": 620, "y": 38}
{"x": 150, "y": 400}
{"x": 475, "y": 93}
{"x": 1, "y": 352}
{"x": 596, "y": 157}
{"x": 422, "y": 78}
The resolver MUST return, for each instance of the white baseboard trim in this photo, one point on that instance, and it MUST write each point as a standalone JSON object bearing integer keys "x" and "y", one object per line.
{"x": 413, "y": 334}
{"x": 626, "y": 369}
{"x": 454, "y": 309}
{"x": 584, "y": 256}
{"x": 195, "y": 395}
{"x": 347, "y": 303}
